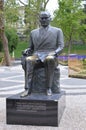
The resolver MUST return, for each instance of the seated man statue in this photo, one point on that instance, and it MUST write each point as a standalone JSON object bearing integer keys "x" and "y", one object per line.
{"x": 46, "y": 43}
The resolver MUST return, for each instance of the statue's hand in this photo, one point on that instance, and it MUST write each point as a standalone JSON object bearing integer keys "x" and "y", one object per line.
{"x": 27, "y": 52}
{"x": 53, "y": 53}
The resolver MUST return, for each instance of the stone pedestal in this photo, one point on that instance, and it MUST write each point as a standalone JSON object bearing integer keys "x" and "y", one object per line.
{"x": 39, "y": 81}
{"x": 35, "y": 109}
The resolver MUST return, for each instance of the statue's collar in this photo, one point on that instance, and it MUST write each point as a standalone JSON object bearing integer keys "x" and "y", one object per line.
{"x": 46, "y": 28}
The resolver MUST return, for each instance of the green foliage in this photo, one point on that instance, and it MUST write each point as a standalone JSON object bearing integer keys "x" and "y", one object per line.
{"x": 32, "y": 10}
{"x": 12, "y": 38}
{"x": 31, "y": 14}
{"x": 69, "y": 18}
{"x": 11, "y": 11}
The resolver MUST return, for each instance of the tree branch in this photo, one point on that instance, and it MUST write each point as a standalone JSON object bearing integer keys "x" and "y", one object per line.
{"x": 45, "y": 3}
{"x": 22, "y": 2}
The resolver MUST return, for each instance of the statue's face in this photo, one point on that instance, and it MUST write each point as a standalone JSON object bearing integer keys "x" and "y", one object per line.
{"x": 44, "y": 19}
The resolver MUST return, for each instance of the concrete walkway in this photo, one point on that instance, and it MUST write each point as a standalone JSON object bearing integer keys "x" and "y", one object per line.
{"x": 74, "y": 117}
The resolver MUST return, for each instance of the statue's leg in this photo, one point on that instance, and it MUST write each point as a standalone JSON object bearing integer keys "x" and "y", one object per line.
{"x": 23, "y": 63}
{"x": 56, "y": 81}
{"x": 30, "y": 63}
{"x": 49, "y": 72}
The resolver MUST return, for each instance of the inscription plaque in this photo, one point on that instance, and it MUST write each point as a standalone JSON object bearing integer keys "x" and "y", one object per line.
{"x": 29, "y": 106}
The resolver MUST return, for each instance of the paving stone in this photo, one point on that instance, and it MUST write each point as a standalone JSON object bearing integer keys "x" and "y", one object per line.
{"x": 74, "y": 117}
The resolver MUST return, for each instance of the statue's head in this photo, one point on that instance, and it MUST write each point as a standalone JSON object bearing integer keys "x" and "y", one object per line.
{"x": 44, "y": 18}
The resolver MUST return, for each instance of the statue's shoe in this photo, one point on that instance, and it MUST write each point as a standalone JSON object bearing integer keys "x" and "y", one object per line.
{"x": 49, "y": 92}
{"x": 25, "y": 93}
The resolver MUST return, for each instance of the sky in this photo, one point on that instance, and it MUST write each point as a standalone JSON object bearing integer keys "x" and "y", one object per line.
{"x": 51, "y": 6}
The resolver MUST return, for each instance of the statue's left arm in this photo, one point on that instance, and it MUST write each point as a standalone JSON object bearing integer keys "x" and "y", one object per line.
{"x": 60, "y": 42}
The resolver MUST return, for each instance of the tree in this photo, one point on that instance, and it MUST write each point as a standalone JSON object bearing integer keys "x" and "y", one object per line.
{"x": 11, "y": 11}
{"x": 32, "y": 10}
{"x": 69, "y": 17}
{"x": 83, "y": 32}
{"x": 2, "y": 34}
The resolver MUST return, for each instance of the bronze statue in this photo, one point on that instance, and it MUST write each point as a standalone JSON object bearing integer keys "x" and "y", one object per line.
{"x": 46, "y": 43}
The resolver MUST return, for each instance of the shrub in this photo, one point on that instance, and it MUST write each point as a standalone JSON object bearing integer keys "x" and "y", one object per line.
{"x": 12, "y": 39}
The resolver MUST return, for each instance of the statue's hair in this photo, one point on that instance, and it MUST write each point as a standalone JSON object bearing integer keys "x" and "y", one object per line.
{"x": 44, "y": 13}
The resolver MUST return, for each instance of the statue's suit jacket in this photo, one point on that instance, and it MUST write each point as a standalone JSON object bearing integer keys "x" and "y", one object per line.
{"x": 47, "y": 39}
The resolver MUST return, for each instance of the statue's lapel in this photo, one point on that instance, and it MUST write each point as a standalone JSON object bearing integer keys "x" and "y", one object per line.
{"x": 43, "y": 33}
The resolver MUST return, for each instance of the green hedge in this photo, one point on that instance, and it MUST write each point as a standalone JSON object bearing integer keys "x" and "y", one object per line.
{"x": 13, "y": 39}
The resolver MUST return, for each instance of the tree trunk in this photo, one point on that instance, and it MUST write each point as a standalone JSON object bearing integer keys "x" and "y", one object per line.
{"x": 2, "y": 35}
{"x": 6, "y": 51}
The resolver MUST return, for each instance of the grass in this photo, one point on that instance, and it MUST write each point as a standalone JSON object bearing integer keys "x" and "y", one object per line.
{"x": 76, "y": 49}
{"x": 21, "y": 46}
